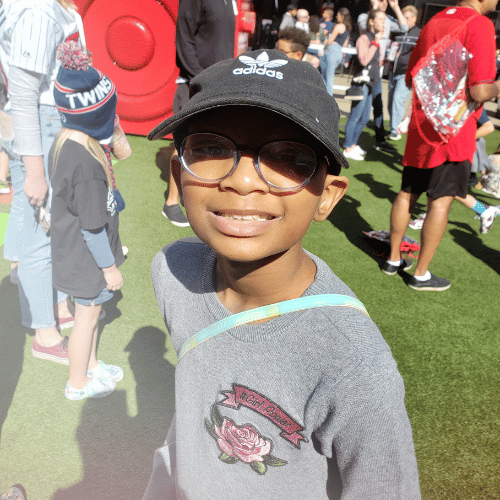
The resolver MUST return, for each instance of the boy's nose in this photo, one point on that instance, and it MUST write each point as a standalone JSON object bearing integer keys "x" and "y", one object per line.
{"x": 245, "y": 178}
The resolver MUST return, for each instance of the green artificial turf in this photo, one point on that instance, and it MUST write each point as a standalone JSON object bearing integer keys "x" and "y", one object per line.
{"x": 446, "y": 345}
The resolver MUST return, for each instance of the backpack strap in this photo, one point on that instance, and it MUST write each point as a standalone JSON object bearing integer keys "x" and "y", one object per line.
{"x": 270, "y": 311}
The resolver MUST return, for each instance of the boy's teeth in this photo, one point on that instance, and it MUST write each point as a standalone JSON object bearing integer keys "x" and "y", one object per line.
{"x": 246, "y": 217}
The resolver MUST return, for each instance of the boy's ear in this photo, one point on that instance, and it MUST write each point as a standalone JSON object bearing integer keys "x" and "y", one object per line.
{"x": 175, "y": 169}
{"x": 334, "y": 190}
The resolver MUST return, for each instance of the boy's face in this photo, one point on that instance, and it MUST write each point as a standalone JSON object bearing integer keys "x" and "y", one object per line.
{"x": 241, "y": 217}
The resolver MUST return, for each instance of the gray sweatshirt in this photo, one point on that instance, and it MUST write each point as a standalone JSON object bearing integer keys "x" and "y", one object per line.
{"x": 308, "y": 405}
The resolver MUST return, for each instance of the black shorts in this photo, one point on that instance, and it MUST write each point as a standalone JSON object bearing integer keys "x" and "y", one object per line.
{"x": 448, "y": 179}
{"x": 181, "y": 97}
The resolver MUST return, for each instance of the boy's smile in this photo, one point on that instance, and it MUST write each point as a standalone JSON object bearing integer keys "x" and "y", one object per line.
{"x": 241, "y": 217}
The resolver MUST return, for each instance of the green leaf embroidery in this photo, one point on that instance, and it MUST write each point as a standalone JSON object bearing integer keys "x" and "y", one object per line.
{"x": 216, "y": 416}
{"x": 258, "y": 467}
{"x": 210, "y": 428}
{"x": 227, "y": 459}
{"x": 273, "y": 461}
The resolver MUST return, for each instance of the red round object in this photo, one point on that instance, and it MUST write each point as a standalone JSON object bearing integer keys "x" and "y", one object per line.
{"x": 133, "y": 43}
{"x": 136, "y": 36}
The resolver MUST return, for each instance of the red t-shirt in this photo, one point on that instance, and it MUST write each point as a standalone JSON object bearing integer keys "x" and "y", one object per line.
{"x": 479, "y": 39}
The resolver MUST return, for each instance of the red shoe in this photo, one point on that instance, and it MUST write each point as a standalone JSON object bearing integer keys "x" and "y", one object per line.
{"x": 65, "y": 323}
{"x": 57, "y": 353}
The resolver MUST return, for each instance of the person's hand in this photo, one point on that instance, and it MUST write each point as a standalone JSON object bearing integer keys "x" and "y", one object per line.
{"x": 394, "y": 4}
{"x": 378, "y": 36}
{"x": 36, "y": 188}
{"x": 113, "y": 277}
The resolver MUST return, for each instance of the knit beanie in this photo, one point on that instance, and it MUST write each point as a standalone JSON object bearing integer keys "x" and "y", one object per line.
{"x": 84, "y": 96}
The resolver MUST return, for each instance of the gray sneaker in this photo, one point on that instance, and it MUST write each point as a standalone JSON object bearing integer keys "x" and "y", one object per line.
{"x": 433, "y": 283}
{"x": 175, "y": 215}
{"x": 390, "y": 269}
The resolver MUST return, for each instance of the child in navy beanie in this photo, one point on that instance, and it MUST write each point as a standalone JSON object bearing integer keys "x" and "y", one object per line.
{"x": 86, "y": 247}
{"x": 84, "y": 96}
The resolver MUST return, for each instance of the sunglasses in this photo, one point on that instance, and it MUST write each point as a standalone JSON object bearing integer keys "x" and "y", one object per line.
{"x": 283, "y": 165}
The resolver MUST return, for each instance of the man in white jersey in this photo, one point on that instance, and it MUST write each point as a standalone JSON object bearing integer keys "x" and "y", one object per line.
{"x": 33, "y": 30}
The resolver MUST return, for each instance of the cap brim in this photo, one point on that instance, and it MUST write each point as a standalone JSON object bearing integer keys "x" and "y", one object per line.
{"x": 192, "y": 109}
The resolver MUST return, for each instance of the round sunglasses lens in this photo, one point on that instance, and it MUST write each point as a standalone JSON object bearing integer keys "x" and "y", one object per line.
{"x": 208, "y": 156}
{"x": 287, "y": 164}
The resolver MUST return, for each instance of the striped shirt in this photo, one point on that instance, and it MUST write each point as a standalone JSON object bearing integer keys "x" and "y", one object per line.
{"x": 34, "y": 30}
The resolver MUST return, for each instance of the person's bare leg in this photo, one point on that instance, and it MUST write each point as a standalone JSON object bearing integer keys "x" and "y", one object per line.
{"x": 400, "y": 217}
{"x": 469, "y": 201}
{"x": 432, "y": 231}
{"x": 93, "y": 351}
{"x": 173, "y": 192}
{"x": 80, "y": 344}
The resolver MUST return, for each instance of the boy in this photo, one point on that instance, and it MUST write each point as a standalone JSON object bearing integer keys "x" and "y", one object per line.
{"x": 308, "y": 404}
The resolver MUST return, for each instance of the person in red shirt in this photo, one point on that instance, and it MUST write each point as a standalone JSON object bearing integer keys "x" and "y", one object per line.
{"x": 442, "y": 169}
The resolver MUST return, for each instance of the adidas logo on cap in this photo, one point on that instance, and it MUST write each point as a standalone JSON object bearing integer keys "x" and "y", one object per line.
{"x": 261, "y": 65}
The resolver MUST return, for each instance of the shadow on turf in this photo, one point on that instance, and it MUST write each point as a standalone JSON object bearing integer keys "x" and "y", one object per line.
{"x": 12, "y": 342}
{"x": 471, "y": 242}
{"x": 117, "y": 449}
{"x": 346, "y": 218}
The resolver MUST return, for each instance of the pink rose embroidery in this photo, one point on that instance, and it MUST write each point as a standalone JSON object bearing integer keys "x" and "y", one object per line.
{"x": 241, "y": 443}
{"x": 244, "y": 443}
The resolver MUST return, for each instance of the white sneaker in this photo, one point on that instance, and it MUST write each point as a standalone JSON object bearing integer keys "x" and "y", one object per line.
{"x": 403, "y": 126}
{"x": 359, "y": 151}
{"x": 96, "y": 388}
{"x": 353, "y": 155}
{"x": 487, "y": 218}
{"x": 103, "y": 370}
{"x": 417, "y": 223}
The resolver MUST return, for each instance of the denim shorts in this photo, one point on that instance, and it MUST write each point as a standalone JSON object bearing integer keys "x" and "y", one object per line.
{"x": 104, "y": 296}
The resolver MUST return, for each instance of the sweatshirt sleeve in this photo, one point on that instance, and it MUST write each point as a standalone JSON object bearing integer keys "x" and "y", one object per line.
{"x": 366, "y": 427}
{"x": 98, "y": 245}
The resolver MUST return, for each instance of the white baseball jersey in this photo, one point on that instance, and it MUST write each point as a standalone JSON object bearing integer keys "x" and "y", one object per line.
{"x": 34, "y": 29}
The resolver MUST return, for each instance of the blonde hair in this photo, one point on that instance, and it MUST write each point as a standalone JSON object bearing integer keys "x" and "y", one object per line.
{"x": 410, "y": 8}
{"x": 90, "y": 144}
{"x": 67, "y": 4}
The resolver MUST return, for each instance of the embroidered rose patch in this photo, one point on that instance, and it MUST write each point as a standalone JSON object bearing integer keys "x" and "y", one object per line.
{"x": 241, "y": 443}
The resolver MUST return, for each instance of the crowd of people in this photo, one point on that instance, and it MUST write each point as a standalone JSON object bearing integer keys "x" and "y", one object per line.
{"x": 323, "y": 412}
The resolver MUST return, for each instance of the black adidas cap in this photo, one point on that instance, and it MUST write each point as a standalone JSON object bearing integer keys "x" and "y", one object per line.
{"x": 266, "y": 79}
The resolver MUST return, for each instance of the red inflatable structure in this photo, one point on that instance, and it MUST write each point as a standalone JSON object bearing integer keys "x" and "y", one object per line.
{"x": 133, "y": 42}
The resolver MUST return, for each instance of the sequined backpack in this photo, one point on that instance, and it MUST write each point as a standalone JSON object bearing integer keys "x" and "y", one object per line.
{"x": 439, "y": 81}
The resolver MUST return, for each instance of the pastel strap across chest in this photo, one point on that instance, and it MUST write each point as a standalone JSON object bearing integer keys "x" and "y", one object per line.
{"x": 269, "y": 311}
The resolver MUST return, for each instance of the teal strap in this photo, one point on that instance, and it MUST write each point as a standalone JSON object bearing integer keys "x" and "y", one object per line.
{"x": 270, "y": 311}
